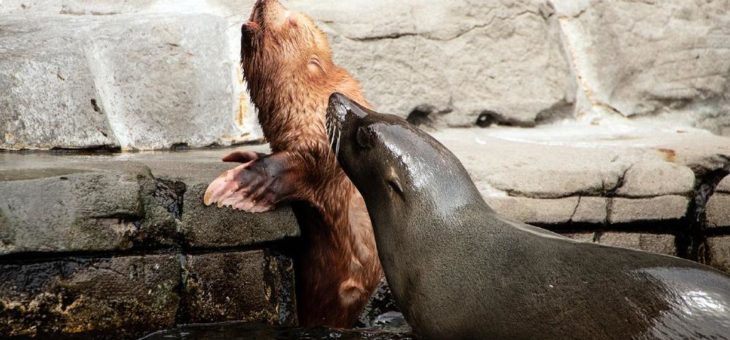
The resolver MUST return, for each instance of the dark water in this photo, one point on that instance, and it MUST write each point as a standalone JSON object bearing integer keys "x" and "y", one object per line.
{"x": 237, "y": 330}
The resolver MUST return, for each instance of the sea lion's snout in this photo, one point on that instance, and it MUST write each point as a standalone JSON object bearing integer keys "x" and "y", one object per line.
{"x": 342, "y": 113}
{"x": 336, "y": 115}
{"x": 269, "y": 12}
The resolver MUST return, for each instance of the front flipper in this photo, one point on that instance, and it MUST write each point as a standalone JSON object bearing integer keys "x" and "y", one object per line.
{"x": 258, "y": 185}
{"x": 243, "y": 156}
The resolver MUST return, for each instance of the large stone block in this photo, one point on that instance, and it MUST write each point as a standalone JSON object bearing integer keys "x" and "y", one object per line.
{"x": 131, "y": 81}
{"x": 656, "y": 178}
{"x": 460, "y": 56}
{"x": 533, "y": 210}
{"x": 663, "y": 208}
{"x": 648, "y": 57}
{"x": 246, "y": 286}
{"x": 205, "y": 227}
{"x": 83, "y": 297}
{"x": 72, "y": 209}
{"x": 718, "y": 210}
{"x": 718, "y": 248}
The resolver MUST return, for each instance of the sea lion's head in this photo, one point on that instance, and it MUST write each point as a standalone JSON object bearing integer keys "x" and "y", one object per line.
{"x": 278, "y": 44}
{"x": 401, "y": 171}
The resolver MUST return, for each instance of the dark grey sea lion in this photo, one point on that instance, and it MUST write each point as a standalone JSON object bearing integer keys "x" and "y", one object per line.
{"x": 459, "y": 270}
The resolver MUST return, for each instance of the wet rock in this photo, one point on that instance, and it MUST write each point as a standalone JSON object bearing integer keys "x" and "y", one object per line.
{"x": 379, "y": 311}
{"x": 57, "y": 210}
{"x": 85, "y": 297}
{"x": 243, "y": 286}
{"x": 225, "y": 227}
{"x": 244, "y": 330}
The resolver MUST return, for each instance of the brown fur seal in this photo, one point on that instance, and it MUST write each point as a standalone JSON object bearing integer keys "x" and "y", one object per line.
{"x": 460, "y": 271}
{"x": 288, "y": 66}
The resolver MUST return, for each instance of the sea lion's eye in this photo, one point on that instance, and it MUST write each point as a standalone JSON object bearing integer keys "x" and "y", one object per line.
{"x": 394, "y": 184}
{"x": 365, "y": 137}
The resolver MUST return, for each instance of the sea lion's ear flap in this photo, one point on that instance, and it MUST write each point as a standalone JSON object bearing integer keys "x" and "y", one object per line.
{"x": 315, "y": 65}
{"x": 293, "y": 21}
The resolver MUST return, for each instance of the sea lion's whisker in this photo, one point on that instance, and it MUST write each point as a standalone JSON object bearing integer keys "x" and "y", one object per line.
{"x": 328, "y": 126}
{"x": 337, "y": 148}
{"x": 334, "y": 134}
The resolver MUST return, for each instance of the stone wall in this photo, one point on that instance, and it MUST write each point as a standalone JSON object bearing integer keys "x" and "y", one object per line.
{"x": 112, "y": 247}
{"x": 622, "y": 98}
{"x": 163, "y": 74}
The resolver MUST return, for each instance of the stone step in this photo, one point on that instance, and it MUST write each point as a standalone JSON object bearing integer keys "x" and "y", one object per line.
{"x": 124, "y": 202}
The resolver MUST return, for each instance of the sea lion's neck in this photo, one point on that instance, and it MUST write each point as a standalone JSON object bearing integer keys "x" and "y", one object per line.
{"x": 293, "y": 115}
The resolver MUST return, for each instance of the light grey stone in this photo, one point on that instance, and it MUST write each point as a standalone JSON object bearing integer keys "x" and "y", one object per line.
{"x": 581, "y": 236}
{"x": 70, "y": 211}
{"x": 459, "y": 56}
{"x": 718, "y": 210}
{"x": 533, "y": 210}
{"x": 724, "y": 185}
{"x": 656, "y": 178}
{"x": 628, "y": 210}
{"x": 655, "y": 243}
{"x": 136, "y": 82}
{"x": 639, "y": 57}
{"x": 719, "y": 250}
{"x": 591, "y": 210}
{"x": 533, "y": 169}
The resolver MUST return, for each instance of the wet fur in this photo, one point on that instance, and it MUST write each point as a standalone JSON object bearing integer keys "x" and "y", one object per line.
{"x": 288, "y": 66}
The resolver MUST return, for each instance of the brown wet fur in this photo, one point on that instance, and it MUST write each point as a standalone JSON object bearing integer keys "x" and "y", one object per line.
{"x": 288, "y": 66}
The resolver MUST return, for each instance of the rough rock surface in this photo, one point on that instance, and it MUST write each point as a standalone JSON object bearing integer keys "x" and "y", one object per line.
{"x": 719, "y": 249}
{"x": 655, "y": 243}
{"x": 135, "y": 82}
{"x": 72, "y": 228}
{"x": 643, "y": 58}
{"x": 65, "y": 209}
{"x": 553, "y": 175}
{"x": 257, "y": 287}
{"x": 458, "y": 56}
{"x": 718, "y": 205}
{"x": 114, "y": 203}
{"x": 126, "y": 296}
{"x": 163, "y": 73}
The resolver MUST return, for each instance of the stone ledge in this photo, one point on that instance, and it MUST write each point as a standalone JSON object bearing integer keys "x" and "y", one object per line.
{"x": 571, "y": 173}
{"x": 123, "y": 202}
